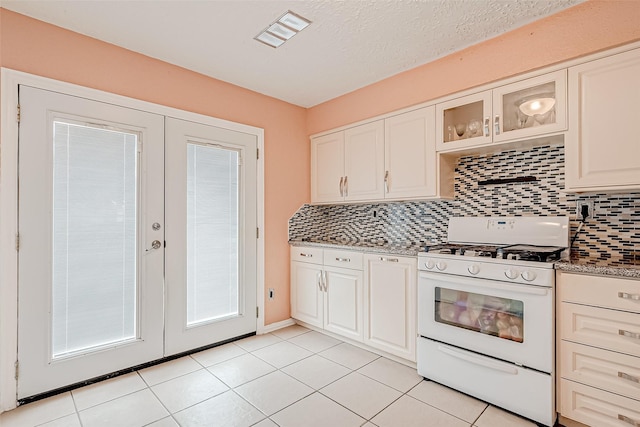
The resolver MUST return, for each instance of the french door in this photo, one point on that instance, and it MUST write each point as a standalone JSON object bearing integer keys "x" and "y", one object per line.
{"x": 121, "y": 263}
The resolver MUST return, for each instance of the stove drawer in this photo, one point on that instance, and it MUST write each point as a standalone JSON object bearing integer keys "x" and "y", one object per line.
{"x": 595, "y": 407}
{"x": 610, "y": 371}
{"x": 601, "y": 327}
{"x": 610, "y": 292}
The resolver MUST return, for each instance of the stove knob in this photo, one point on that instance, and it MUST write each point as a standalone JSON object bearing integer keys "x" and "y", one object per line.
{"x": 473, "y": 269}
{"x": 529, "y": 276}
{"x": 429, "y": 265}
{"x": 511, "y": 274}
{"x": 441, "y": 265}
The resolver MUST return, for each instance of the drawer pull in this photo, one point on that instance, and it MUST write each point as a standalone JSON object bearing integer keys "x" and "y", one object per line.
{"x": 629, "y": 334}
{"x": 628, "y": 377}
{"x": 383, "y": 259}
{"x": 629, "y": 420}
{"x": 306, "y": 255}
{"x": 343, "y": 259}
{"x": 632, "y": 297}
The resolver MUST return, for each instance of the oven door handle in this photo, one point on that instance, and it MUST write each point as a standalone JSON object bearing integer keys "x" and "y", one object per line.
{"x": 478, "y": 360}
{"x": 487, "y": 284}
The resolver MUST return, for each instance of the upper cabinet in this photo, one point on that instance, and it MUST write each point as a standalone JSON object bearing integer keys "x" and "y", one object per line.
{"x": 525, "y": 109}
{"x": 348, "y": 165}
{"x": 603, "y": 143}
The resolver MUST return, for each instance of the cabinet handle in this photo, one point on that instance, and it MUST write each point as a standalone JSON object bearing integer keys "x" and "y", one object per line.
{"x": 319, "y": 280}
{"x": 496, "y": 125}
{"x": 633, "y": 297}
{"x": 306, "y": 255}
{"x": 629, "y": 420}
{"x": 324, "y": 280}
{"x": 629, "y": 334}
{"x": 388, "y": 259}
{"x": 343, "y": 259}
{"x": 628, "y": 377}
{"x": 486, "y": 126}
{"x": 341, "y": 186}
{"x": 346, "y": 187}
{"x": 386, "y": 181}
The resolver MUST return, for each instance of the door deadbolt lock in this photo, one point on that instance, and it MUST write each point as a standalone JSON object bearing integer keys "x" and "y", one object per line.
{"x": 156, "y": 226}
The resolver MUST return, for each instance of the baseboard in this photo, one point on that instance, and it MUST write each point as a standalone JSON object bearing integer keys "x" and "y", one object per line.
{"x": 275, "y": 326}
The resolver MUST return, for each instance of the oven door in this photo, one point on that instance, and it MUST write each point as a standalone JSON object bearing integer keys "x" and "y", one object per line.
{"x": 512, "y": 322}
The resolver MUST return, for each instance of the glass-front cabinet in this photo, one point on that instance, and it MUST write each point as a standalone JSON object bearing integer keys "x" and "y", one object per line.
{"x": 524, "y": 109}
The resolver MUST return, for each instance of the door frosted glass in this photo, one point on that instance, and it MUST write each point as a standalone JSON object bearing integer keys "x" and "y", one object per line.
{"x": 94, "y": 237}
{"x": 212, "y": 233}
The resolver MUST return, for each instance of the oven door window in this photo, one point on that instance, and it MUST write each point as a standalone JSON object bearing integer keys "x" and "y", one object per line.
{"x": 486, "y": 314}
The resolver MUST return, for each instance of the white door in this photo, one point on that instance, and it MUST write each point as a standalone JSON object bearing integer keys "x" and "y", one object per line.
{"x": 211, "y": 233}
{"x": 327, "y": 168}
{"x": 343, "y": 302}
{"x": 307, "y": 297}
{"x": 90, "y": 284}
{"x": 364, "y": 162}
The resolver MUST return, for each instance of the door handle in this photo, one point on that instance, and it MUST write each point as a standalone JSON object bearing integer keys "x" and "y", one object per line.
{"x": 156, "y": 244}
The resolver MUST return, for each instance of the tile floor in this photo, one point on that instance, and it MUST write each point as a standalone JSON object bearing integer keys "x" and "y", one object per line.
{"x": 291, "y": 377}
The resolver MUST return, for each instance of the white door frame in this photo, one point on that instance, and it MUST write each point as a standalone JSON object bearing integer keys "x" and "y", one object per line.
{"x": 9, "y": 81}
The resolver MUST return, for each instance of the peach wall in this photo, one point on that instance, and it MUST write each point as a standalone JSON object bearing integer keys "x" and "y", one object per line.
{"x": 586, "y": 28}
{"x": 39, "y": 48}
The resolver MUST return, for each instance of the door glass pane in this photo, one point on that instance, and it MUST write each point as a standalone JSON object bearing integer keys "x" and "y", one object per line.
{"x": 212, "y": 233}
{"x": 94, "y": 237}
{"x": 534, "y": 106}
{"x": 463, "y": 122}
{"x": 500, "y": 317}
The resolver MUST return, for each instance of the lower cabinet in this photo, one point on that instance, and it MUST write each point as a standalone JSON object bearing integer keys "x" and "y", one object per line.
{"x": 390, "y": 304}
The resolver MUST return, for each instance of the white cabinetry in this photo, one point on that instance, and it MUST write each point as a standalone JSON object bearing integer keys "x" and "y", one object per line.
{"x": 603, "y": 142}
{"x": 390, "y": 304}
{"x": 521, "y": 110}
{"x": 599, "y": 352}
{"x": 409, "y": 155}
{"x": 328, "y": 294}
{"x": 348, "y": 165}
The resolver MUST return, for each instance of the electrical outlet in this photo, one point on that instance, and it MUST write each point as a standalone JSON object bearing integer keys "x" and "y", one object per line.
{"x": 271, "y": 293}
{"x": 590, "y": 207}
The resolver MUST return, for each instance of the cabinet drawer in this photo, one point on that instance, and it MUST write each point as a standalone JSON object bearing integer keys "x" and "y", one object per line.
{"x": 610, "y": 371}
{"x": 305, "y": 254}
{"x": 609, "y": 292}
{"x": 595, "y": 407}
{"x": 345, "y": 259}
{"x": 601, "y": 327}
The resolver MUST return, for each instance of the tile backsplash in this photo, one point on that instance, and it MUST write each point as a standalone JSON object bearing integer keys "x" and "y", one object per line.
{"x": 612, "y": 234}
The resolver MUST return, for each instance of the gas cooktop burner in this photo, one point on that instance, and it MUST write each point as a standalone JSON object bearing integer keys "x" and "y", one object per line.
{"x": 511, "y": 252}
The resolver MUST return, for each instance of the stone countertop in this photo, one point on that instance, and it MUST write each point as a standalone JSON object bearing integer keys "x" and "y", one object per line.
{"x": 599, "y": 267}
{"x": 372, "y": 247}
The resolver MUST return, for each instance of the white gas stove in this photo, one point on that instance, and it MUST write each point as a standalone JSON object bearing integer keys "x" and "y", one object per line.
{"x": 486, "y": 310}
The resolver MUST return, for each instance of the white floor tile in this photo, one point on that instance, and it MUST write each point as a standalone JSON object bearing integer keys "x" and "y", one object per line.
{"x": 282, "y": 354}
{"x": 218, "y": 354}
{"x": 169, "y": 370}
{"x": 240, "y": 370}
{"x": 68, "y": 421}
{"x": 349, "y": 355}
{"x": 225, "y": 410}
{"x": 316, "y": 371}
{"x": 290, "y": 332}
{"x": 39, "y": 412}
{"x": 273, "y": 392}
{"x": 257, "y": 341}
{"x": 266, "y": 423}
{"x": 409, "y": 412}
{"x": 165, "y": 422}
{"x": 453, "y": 402}
{"x": 391, "y": 373}
{"x": 361, "y": 394}
{"x": 187, "y": 390}
{"x": 496, "y": 417}
{"x": 133, "y": 410}
{"x": 315, "y": 341}
{"x": 110, "y": 389}
{"x": 317, "y": 410}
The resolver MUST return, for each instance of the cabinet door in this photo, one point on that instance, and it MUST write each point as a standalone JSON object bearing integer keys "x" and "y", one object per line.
{"x": 364, "y": 162}
{"x": 410, "y": 155}
{"x": 343, "y": 302}
{"x": 327, "y": 168}
{"x": 464, "y": 122}
{"x": 532, "y": 107}
{"x": 390, "y": 305}
{"x": 603, "y": 142}
{"x": 306, "y": 294}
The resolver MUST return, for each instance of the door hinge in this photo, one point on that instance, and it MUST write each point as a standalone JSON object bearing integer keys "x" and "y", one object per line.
{"x": 257, "y": 232}
{"x": 17, "y": 241}
{"x": 257, "y": 312}
{"x": 17, "y": 365}
{"x": 18, "y": 113}
{"x": 257, "y": 154}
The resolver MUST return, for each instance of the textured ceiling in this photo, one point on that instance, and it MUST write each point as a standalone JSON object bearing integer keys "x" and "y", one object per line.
{"x": 350, "y": 44}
